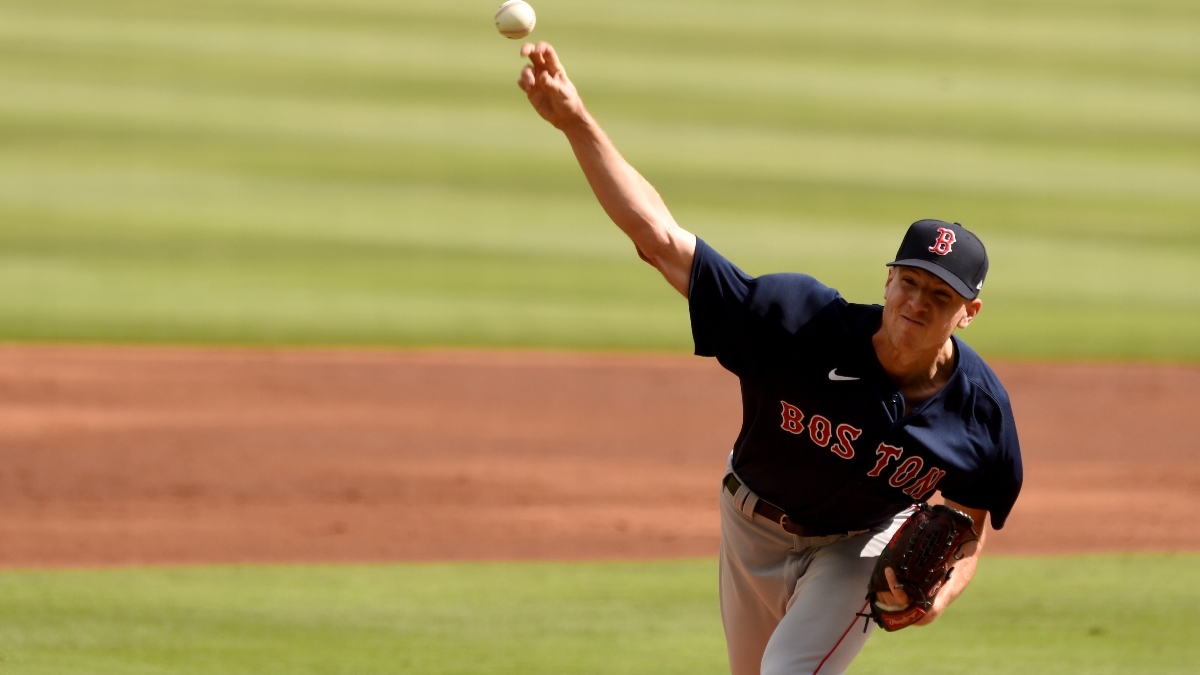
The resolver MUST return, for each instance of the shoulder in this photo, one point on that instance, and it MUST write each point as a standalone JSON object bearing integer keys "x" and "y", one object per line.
{"x": 987, "y": 399}
{"x": 991, "y": 436}
{"x": 714, "y": 275}
{"x": 787, "y": 299}
{"x": 980, "y": 375}
{"x": 796, "y": 298}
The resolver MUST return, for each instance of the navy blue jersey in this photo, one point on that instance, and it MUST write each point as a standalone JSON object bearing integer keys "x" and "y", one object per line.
{"x": 824, "y": 435}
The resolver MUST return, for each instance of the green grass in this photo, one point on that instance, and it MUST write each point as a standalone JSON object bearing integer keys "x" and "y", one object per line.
{"x": 366, "y": 172}
{"x": 1088, "y": 614}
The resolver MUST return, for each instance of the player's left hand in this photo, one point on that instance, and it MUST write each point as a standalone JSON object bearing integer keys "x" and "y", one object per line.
{"x": 899, "y": 598}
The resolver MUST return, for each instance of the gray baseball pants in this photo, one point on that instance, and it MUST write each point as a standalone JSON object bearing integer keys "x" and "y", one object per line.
{"x": 789, "y": 603}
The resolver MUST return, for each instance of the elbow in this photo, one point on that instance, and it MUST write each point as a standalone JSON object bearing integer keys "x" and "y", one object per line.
{"x": 657, "y": 257}
{"x": 658, "y": 244}
{"x": 643, "y": 256}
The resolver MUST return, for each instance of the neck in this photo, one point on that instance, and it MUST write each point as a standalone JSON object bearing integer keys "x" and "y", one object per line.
{"x": 914, "y": 369}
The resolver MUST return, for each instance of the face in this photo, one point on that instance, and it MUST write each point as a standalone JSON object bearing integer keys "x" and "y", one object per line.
{"x": 920, "y": 311}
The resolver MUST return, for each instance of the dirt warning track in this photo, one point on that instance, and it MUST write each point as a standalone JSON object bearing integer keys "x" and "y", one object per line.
{"x": 165, "y": 455}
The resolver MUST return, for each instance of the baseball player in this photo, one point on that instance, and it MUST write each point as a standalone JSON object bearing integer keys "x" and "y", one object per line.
{"x": 851, "y": 413}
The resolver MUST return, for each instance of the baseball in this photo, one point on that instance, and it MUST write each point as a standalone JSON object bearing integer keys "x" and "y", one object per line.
{"x": 515, "y": 19}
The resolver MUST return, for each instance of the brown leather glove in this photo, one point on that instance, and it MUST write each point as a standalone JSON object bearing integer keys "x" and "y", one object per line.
{"x": 922, "y": 554}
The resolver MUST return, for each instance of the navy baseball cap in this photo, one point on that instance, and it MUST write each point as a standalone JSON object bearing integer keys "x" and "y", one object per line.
{"x": 948, "y": 250}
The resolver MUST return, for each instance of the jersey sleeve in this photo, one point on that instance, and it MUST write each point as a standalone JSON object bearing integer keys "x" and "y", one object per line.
{"x": 997, "y": 488}
{"x": 737, "y": 318}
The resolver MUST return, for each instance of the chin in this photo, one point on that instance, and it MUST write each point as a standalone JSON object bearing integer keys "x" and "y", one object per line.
{"x": 907, "y": 335}
{"x": 916, "y": 341}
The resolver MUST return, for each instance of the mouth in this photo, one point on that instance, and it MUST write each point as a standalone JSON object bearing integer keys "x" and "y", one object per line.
{"x": 912, "y": 321}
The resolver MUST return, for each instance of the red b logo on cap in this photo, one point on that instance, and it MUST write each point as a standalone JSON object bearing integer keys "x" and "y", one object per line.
{"x": 945, "y": 240}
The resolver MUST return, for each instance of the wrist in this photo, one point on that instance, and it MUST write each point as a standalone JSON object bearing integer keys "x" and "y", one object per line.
{"x": 581, "y": 124}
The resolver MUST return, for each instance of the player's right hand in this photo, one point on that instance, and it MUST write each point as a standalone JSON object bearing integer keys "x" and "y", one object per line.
{"x": 550, "y": 92}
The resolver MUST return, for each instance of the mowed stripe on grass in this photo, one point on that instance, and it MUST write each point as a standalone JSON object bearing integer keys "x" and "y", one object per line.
{"x": 366, "y": 172}
{"x": 1083, "y": 614}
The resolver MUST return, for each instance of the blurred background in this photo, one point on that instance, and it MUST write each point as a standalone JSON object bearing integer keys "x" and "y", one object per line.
{"x": 367, "y": 172}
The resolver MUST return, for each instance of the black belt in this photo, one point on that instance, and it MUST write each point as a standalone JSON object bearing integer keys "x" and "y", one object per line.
{"x": 777, "y": 515}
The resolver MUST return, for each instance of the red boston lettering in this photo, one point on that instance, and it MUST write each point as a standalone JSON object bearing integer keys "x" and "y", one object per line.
{"x": 846, "y": 434}
{"x": 793, "y": 419}
{"x": 907, "y": 469}
{"x": 925, "y": 484}
{"x": 886, "y": 454}
{"x": 820, "y": 430}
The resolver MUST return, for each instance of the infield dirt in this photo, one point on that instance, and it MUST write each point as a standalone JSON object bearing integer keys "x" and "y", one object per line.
{"x": 122, "y": 455}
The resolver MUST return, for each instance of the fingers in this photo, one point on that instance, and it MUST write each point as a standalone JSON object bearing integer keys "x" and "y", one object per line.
{"x": 550, "y": 57}
{"x": 534, "y": 82}
{"x": 526, "y": 80}
{"x": 537, "y": 54}
{"x": 894, "y": 584}
{"x": 530, "y": 74}
{"x": 546, "y": 85}
{"x": 542, "y": 56}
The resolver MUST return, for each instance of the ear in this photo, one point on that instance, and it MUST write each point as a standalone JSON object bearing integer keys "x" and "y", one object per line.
{"x": 888, "y": 281}
{"x": 972, "y": 310}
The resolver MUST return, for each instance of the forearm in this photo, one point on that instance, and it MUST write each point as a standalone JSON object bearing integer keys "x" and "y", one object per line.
{"x": 964, "y": 569}
{"x": 632, "y": 203}
{"x": 626, "y": 197}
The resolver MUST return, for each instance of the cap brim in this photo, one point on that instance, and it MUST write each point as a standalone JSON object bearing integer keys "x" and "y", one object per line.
{"x": 942, "y": 273}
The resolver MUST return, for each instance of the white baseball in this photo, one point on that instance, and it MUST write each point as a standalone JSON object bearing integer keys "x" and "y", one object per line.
{"x": 515, "y": 19}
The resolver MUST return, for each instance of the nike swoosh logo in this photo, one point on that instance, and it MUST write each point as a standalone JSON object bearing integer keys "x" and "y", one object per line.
{"x": 839, "y": 378}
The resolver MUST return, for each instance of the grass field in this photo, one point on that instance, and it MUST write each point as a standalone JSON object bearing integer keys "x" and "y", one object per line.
{"x": 366, "y": 172}
{"x": 1094, "y": 614}
{"x": 358, "y": 172}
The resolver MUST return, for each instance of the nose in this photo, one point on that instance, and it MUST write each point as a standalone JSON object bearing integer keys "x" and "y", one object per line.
{"x": 920, "y": 301}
